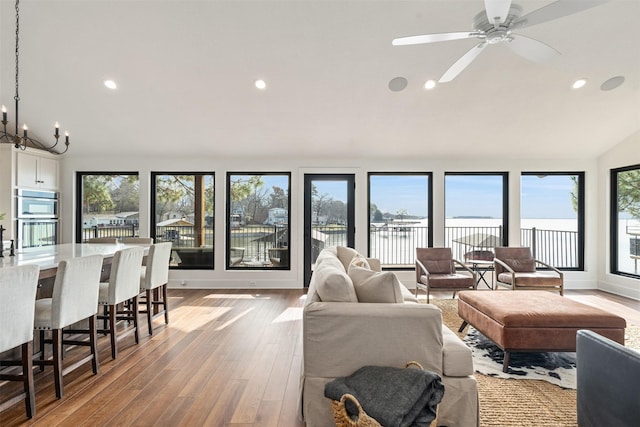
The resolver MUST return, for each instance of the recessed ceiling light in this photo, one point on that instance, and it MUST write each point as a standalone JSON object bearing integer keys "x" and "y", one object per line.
{"x": 110, "y": 84}
{"x": 429, "y": 84}
{"x": 397, "y": 84}
{"x": 260, "y": 84}
{"x": 579, "y": 83}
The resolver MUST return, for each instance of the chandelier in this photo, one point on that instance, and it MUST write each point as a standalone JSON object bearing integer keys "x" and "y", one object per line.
{"x": 23, "y": 141}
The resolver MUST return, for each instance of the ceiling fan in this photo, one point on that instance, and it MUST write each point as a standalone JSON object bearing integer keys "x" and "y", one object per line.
{"x": 496, "y": 24}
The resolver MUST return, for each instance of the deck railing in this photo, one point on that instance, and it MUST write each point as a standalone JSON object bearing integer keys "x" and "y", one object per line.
{"x": 394, "y": 245}
{"x": 555, "y": 247}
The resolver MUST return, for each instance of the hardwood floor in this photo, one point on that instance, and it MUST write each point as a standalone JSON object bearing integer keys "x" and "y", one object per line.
{"x": 227, "y": 358}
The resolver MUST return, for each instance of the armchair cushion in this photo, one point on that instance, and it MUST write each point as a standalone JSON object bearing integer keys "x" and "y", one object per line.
{"x": 523, "y": 265}
{"x": 371, "y": 286}
{"x": 438, "y": 266}
{"x": 448, "y": 280}
{"x": 531, "y": 279}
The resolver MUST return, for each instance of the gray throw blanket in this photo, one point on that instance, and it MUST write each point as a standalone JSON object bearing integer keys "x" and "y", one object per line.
{"x": 394, "y": 397}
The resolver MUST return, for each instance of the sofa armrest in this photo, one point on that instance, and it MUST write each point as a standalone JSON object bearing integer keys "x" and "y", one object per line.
{"x": 339, "y": 338}
{"x": 457, "y": 359}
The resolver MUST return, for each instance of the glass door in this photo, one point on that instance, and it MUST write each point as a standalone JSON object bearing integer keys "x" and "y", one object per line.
{"x": 328, "y": 215}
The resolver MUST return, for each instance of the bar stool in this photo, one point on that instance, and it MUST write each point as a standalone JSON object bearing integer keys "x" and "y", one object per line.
{"x": 153, "y": 276}
{"x": 123, "y": 286}
{"x": 75, "y": 298}
{"x": 18, "y": 287}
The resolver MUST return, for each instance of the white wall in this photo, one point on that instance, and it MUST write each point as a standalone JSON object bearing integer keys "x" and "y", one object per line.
{"x": 627, "y": 153}
{"x": 219, "y": 278}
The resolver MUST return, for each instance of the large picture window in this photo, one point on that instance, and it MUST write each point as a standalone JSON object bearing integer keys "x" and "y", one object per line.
{"x": 625, "y": 221}
{"x": 399, "y": 216}
{"x": 110, "y": 204}
{"x": 258, "y": 206}
{"x": 552, "y": 217}
{"x": 476, "y": 214}
{"x": 182, "y": 213}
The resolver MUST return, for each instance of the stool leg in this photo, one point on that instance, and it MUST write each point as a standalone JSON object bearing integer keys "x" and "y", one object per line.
{"x": 165, "y": 304}
{"x": 27, "y": 378}
{"x": 149, "y": 309}
{"x": 93, "y": 342}
{"x": 112, "y": 330}
{"x": 56, "y": 340}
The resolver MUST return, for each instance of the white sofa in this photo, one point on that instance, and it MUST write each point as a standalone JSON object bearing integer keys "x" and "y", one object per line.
{"x": 343, "y": 330}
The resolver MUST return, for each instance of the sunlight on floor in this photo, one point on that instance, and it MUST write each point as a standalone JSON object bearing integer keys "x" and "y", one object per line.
{"x": 197, "y": 317}
{"x": 232, "y": 320}
{"x": 289, "y": 315}
{"x": 236, "y": 296}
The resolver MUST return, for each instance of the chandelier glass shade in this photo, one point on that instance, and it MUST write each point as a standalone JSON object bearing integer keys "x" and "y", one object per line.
{"x": 23, "y": 140}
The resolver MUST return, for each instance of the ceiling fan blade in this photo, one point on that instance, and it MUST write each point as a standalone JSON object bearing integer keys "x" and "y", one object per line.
{"x": 532, "y": 49}
{"x": 462, "y": 63}
{"x": 431, "y": 38}
{"x": 497, "y": 11}
{"x": 555, "y": 10}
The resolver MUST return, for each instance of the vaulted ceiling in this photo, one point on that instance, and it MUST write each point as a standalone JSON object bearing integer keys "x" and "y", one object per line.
{"x": 185, "y": 72}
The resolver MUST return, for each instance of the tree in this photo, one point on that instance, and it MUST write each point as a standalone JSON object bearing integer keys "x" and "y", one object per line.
{"x": 629, "y": 192}
{"x": 401, "y": 213}
{"x": 95, "y": 193}
{"x": 279, "y": 198}
{"x": 126, "y": 195}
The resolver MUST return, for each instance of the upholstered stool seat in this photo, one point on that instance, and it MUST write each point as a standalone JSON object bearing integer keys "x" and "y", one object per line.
{"x": 75, "y": 298}
{"x": 18, "y": 286}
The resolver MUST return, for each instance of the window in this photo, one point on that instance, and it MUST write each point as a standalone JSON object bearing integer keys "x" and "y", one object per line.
{"x": 625, "y": 221}
{"x": 110, "y": 205}
{"x": 399, "y": 216}
{"x": 258, "y": 207}
{"x": 182, "y": 213}
{"x": 552, "y": 217}
{"x": 476, "y": 214}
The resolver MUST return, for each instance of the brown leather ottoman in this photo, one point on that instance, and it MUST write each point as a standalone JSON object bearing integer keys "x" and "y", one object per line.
{"x": 520, "y": 321}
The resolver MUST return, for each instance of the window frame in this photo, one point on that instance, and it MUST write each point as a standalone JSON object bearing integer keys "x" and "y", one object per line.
{"x": 613, "y": 225}
{"x": 581, "y": 212}
{"x": 429, "y": 176}
{"x": 505, "y": 200}
{"x": 227, "y": 245}
{"x": 152, "y": 215}
{"x": 80, "y": 199}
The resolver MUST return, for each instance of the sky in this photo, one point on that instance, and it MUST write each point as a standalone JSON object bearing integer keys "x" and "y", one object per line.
{"x": 545, "y": 196}
{"x": 474, "y": 195}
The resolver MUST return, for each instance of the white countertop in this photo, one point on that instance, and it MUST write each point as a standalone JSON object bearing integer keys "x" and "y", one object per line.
{"x": 49, "y": 256}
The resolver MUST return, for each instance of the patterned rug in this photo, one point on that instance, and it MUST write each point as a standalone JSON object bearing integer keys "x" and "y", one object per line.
{"x": 554, "y": 367}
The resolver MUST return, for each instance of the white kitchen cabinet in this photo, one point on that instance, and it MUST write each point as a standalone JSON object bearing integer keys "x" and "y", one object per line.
{"x": 35, "y": 171}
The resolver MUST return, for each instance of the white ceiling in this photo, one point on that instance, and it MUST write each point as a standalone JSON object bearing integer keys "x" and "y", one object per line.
{"x": 185, "y": 71}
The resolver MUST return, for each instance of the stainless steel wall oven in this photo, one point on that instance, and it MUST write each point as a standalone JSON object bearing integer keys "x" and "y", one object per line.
{"x": 37, "y": 218}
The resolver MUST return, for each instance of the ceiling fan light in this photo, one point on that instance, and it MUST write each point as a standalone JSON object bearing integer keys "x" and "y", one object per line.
{"x": 260, "y": 84}
{"x": 579, "y": 83}
{"x": 110, "y": 84}
{"x": 429, "y": 84}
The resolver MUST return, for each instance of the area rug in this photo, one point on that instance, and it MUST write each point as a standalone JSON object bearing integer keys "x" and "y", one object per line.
{"x": 557, "y": 368}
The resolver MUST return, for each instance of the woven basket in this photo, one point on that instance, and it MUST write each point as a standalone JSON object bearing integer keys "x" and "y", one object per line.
{"x": 342, "y": 418}
{"x": 361, "y": 419}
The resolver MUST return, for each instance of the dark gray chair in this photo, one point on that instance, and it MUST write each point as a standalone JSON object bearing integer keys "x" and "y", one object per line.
{"x": 608, "y": 382}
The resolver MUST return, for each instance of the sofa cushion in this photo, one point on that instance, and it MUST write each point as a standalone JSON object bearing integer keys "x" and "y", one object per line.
{"x": 345, "y": 255}
{"x": 359, "y": 261}
{"x": 379, "y": 287}
{"x": 333, "y": 284}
